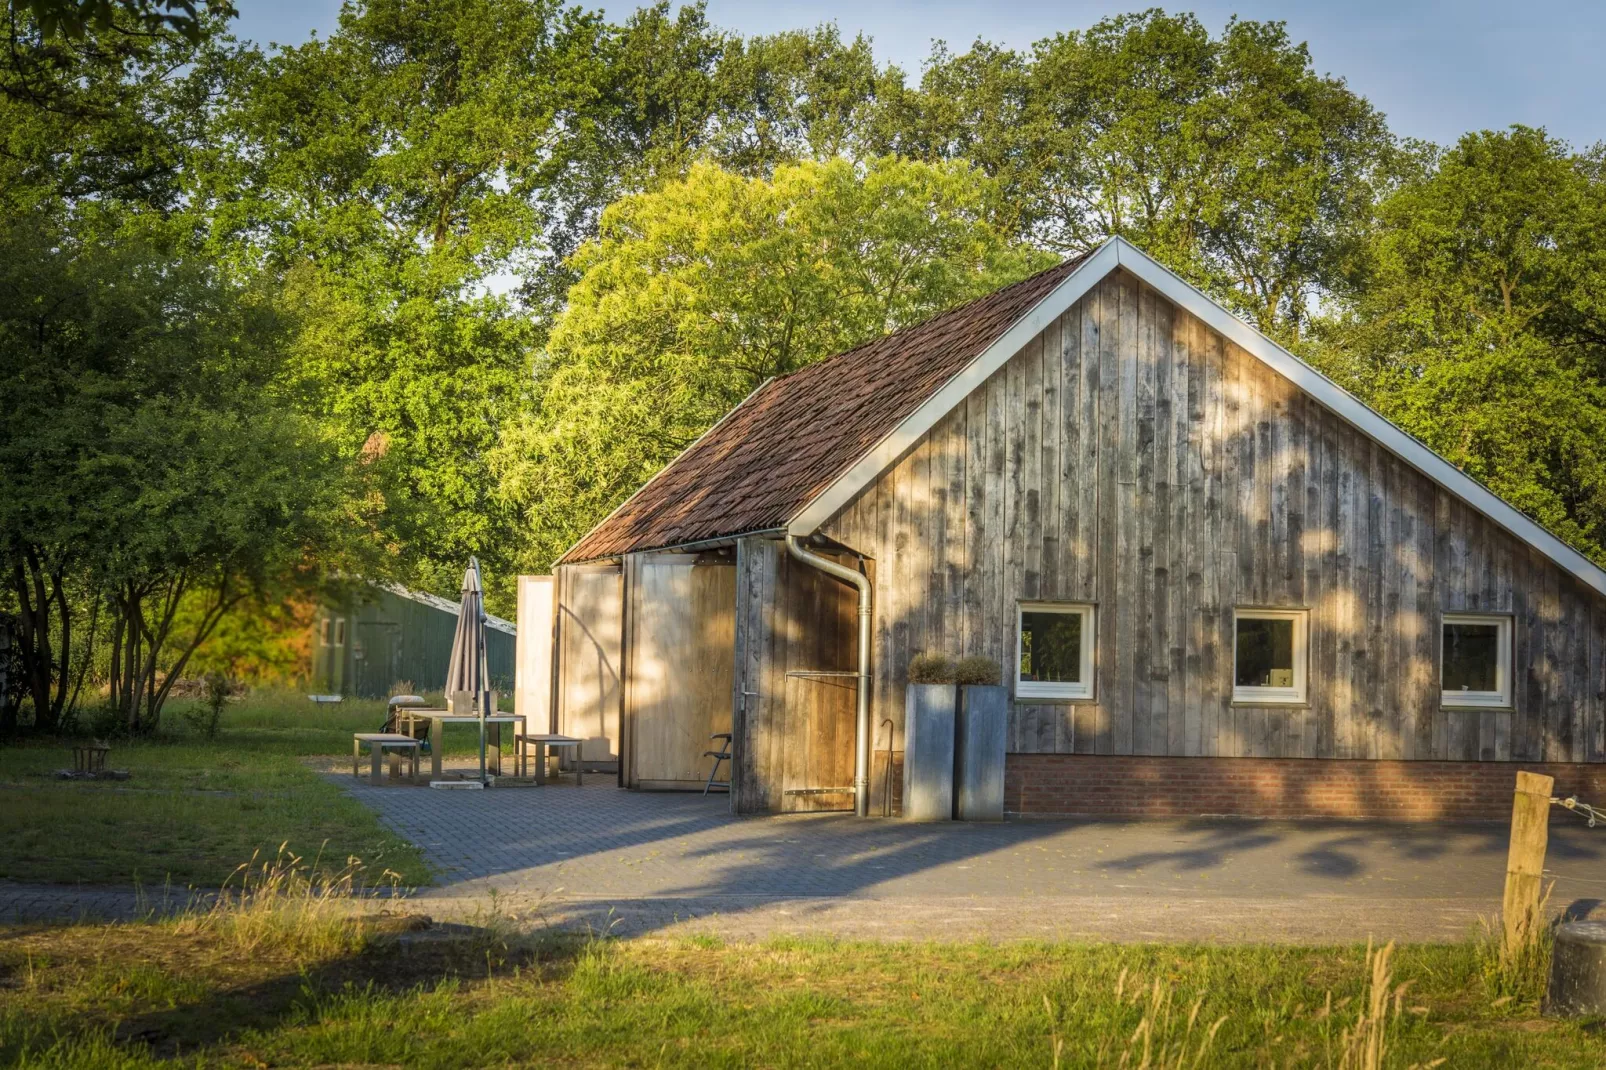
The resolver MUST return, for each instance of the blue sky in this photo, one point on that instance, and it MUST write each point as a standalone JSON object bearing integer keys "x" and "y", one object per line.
{"x": 1436, "y": 67}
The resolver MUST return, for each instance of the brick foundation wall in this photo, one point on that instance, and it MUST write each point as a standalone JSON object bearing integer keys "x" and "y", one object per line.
{"x": 1133, "y": 786}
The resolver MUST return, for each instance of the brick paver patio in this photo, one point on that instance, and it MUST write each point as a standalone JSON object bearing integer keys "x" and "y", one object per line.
{"x": 646, "y": 863}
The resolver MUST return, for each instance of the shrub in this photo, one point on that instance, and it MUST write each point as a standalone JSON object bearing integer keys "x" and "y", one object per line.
{"x": 977, "y": 669}
{"x": 215, "y": 693}
{"x": 106, "y": 721}
{"x": 931, "y": 669}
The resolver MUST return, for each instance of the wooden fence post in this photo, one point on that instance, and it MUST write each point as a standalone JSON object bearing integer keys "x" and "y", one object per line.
{"x": 1525, "y": 862}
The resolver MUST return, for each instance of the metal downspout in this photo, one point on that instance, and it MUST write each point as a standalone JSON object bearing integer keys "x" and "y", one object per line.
{"x": 861, "y": 753}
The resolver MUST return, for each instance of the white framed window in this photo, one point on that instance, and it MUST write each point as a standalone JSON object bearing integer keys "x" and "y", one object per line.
{"x": 340, "y": 631}
{"x": 1268, "y": 655}
{"x": 1054, "y": 651}
{"x": 323, "y": 632}
{"x": 1475, "y": 660}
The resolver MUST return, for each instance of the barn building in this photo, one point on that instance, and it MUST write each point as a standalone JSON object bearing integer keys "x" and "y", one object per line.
{"x": 1216, "y": 582}
{"x": 383, "y": 634}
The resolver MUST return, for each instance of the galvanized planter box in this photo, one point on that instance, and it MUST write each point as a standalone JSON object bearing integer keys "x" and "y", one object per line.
{"x": 928, "y": 752}
{"x": 980, "y": 743}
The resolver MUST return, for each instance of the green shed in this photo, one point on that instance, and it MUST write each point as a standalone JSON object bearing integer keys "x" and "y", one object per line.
{"x": 387, "y": 634}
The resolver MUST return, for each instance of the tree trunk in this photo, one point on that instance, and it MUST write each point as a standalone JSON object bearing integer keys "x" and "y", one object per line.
{"x": 128, "y": 656}
{"x": 224, "y": 602}
{"x": 8, "y": 709}
{"x": 89, "y": 653}
{"x": 38, "y": 589}
{"x": 139, "y": 688}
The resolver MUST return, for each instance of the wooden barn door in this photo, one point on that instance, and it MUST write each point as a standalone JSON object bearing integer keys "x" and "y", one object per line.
{"x": 678, "y": 663}
{"x": 590, "y": 633}
{"x": 796, "y": 630}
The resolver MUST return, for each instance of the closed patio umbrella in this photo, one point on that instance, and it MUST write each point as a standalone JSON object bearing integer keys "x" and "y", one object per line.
{"x": 469, "y": 670}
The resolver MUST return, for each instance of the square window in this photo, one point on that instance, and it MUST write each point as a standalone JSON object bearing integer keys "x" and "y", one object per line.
{"x": 1054, "y": 653}
{"x": 1475, "y": 660}
{"x": 1268, "y": 662}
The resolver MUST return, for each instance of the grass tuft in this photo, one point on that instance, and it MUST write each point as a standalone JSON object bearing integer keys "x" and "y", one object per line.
{"x": 1514, "y": 976}
{"x": 305, "y": 909}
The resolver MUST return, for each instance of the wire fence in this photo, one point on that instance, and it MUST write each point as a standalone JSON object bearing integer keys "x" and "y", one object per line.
{"x": 1582, "y": 809}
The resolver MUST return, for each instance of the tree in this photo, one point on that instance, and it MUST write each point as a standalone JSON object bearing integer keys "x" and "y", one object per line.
{"x": 402, "y": 174}
{"x": 150, "y": 454}
{"x": 97, "y": 123}
{"x": 79, "y": 18}
{"x": 1478, "y": 322}
{"x": 696, "y": 293}
{"x": 1230, "y": 159}
{"x": 108, "y": 117}
{"x": 390, "y": 175}
{"x": 671, "y": 90}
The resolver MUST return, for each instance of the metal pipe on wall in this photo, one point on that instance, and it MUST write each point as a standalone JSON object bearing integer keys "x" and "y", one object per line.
{"x": 861, "y": 735}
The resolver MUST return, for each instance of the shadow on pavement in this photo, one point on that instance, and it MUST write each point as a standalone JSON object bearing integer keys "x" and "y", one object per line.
{"x": 601, "y": 843}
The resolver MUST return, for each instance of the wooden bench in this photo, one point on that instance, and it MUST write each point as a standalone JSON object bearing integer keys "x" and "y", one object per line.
{"x": 378, "y": 743}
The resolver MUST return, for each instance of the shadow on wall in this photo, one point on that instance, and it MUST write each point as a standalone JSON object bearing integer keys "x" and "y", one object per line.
{"x": 1133, "y": 459}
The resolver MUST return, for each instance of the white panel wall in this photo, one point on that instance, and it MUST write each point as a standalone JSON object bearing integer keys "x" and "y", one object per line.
{"x": 532, "y": 689}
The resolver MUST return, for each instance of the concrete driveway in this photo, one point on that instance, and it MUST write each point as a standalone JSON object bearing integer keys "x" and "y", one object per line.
{"x": 641, "y": 863}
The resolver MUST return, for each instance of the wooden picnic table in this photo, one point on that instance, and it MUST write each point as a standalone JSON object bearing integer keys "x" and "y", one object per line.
{"x": 439, "y": 719}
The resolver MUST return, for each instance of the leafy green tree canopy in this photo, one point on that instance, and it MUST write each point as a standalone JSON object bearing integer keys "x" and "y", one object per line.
{"x": 1479, "y": 322}
{"x": 391, "y": 175}
{"x": 149, "y": 454}
{"x": 108, "y": 118}
{"x": 696, "y": 293}
{"x": 1229, "y": 158}
{"x": 79, "y": 18}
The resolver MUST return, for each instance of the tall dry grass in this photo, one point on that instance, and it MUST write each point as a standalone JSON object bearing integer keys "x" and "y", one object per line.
{"x": 1364, "y": 1044}
{"x": 1165, "y": 1038}
{"x": 1171, "y": 1034}
{"x": 293, "y": 905}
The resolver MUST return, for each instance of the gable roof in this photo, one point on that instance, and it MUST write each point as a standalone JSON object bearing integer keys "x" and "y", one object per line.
{"x": 801, "y": 447}
{"x": 445, "y": 605}
{"x": 796, "y": 434}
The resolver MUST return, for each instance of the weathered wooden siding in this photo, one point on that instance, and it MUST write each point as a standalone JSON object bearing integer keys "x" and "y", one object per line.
{"x": 1133, "y": 458}
{"x": 590, "y": 633}
{"x": 792, "y": 731}
{"x": 678, "y": 666}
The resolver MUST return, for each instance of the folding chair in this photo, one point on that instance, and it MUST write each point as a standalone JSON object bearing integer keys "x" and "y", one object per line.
{"x": 718, "y": 756}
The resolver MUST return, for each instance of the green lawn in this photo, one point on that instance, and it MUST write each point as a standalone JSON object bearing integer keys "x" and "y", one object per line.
{"x": 195, "y": 809}
{"x": 137, "y": 995}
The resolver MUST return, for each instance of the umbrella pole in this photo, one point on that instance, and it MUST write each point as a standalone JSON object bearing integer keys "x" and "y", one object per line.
{"x": 484, "y": 697}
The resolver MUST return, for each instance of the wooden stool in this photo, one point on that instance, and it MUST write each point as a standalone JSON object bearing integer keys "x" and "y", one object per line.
{"x": 377, "y": 743}
{"x": 90, "y": 758}
{"x": 542, "y": 742}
